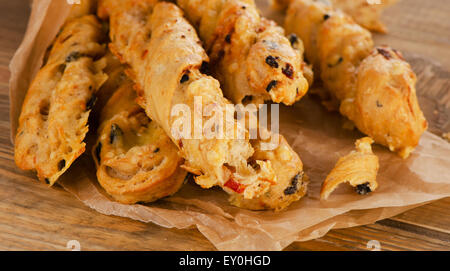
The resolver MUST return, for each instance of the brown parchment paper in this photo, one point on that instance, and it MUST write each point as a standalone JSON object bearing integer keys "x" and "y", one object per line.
{"x": 315, "y": 134}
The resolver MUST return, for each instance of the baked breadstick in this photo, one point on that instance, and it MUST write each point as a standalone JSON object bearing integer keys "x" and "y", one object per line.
{"x": 374, "y": 86}
{"x": 250, "y": 55}
{"x": 53, "y": 121}
{"x": 165, "y": 56}
{"x": 136, "y": 160}
{"x": 359, "y": 168}
{"x": 364, "y": 12}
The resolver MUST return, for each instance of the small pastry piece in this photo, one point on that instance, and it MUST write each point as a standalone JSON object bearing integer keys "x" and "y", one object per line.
{"x": 165, "y": 57}
{"x": 250, "y": 55}
{"x": 136, "y": 161}
{"x": 53, "y": 121}
{"x": 374, "y": 87}
{"x": 366, "y": 13}
{"x": 359, "y": 169}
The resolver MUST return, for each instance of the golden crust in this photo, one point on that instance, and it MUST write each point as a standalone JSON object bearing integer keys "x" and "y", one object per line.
{"x": 53, "y": 121}
{"x": 250, "y": 55}
{"x": 359, "y": 168}
{"x": 375, "y": 87}
{"x": 161, "y": 47}
{"x": 136, "y": 161}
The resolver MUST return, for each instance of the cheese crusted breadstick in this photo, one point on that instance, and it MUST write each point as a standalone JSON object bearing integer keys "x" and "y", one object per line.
{"x": 53, "y": 121}
{"x": 165, "y": 56}
{"x": 136, "y": 160}
{"x": 374, "y": 86}
{"x": 250, "y": 55}
{"x": 365, "y": 13}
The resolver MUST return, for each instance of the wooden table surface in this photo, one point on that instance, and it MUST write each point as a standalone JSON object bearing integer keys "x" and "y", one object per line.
{"x": 34, "y": 217}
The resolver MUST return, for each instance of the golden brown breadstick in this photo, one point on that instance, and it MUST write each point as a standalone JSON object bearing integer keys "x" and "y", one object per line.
{"x": 359, "y": 168}
{"x": 166, "y": 68}
{"x": 136, "y": 160}
{"x": 165, "y": 57}
{"x": 250, "y": 55}
{"x": 374, "y": 86}
{"x": 364, "y": 12}
{"x": 53, "y": 121}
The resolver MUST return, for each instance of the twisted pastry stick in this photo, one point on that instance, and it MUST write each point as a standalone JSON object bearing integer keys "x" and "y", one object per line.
{"x": 136, "y": 160}
{"x": 166, "y": 66}
{"x": 365, "y": 13}
{"x": 250, "y": 55}
{"x": 53, "y": 121}
{"x": 165, "y": 57}
{"x": 374, "y": 86}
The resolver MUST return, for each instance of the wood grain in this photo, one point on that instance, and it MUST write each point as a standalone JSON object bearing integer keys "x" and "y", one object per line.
{"x": 34, "y": 217}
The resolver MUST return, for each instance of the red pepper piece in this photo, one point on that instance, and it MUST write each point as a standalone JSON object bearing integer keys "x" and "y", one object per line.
{"x": 235, "y": 186}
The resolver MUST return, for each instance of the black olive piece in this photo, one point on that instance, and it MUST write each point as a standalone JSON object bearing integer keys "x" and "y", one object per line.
{"x": 247, "y": 99}
{"x": 98, "y": 150}
{"x": 228, "y": 38}
{"x": 272, "y": 62}
{"x": 184, "y": 78}
{"x": 204, "y": 68}
{"x": 326, "y": 17}
{"x": 271, "y": 85}
{"x": 288, "y": 71}
{"x": 293, "y": 39}
{"x": 61, "y": 164}
{"x": 363, "y": 189}
{"x": 156, "y": 150}
{"x": 73, "y": 56}
{"x": 292, "y": 189}
{"x": 91, "y": 102}
{"x": 115, "y": 132}
{"x": 47, "y": 180}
